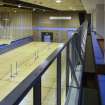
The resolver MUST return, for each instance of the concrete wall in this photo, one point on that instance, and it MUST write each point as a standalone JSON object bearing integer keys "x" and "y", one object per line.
{"x": 18, "y": 25}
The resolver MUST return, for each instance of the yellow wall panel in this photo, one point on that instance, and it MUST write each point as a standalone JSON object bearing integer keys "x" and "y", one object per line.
{"x": 19, "y": 23}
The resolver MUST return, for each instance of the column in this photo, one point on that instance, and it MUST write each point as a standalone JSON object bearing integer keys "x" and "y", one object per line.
{"x": 100, "y": 19}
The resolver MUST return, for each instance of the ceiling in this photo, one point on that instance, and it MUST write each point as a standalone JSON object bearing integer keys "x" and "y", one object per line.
{"x": 90, "y": 5}
{"x": 65, "y": 5}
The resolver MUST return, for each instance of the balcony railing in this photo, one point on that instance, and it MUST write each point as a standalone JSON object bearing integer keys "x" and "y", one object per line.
{"x": 65, "y": 86}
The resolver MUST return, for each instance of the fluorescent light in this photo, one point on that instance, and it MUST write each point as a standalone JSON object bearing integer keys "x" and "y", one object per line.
{"x": 60, "y": 18}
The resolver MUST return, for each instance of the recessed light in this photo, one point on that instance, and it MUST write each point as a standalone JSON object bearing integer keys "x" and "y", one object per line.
{"x": 19, "y": 6}
{"x": 70, "y": 8}
{"x": 58, "y": 1}
{"x": 44, "y": 10}
{"x": 34, "y": 9}
{"x": 15, "y": 11}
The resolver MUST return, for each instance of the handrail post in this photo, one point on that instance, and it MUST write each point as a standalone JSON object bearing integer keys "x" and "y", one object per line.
{"x": 37, "y": 93}
{"x": 67, "y": 67}
{"x": 59, "y": 79}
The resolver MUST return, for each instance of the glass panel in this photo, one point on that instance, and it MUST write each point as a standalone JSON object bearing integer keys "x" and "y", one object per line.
{"x": 28, "y": 100}
{"x": 61, "y": 29}
{"x": 15, "y": 23}
{"x": 63, "y": 77}
{"x": 70, "y": 57}
{"x": 5, "y": 20}
{"x": 76, "y": 67}
{"x": 49, "y": 85}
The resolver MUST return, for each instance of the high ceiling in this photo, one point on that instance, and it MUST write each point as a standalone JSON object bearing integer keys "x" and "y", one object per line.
{"x": 90, "y": 5}
{"x": 74, "y": 5}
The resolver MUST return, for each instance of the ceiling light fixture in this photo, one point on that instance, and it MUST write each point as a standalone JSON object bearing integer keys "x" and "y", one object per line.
{"x": 15, "y": 11}
{"x": 58, "y": 1}
{"x": 34, "y": 9}
{"x": 19, "y": 6}
{"x": 44, "y": 10}
{"x": 60, "y": 18}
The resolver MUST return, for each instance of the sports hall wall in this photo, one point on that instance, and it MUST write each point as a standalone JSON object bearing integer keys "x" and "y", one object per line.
{"x": 15, "y": 23}
{"x": 42, "y": 23}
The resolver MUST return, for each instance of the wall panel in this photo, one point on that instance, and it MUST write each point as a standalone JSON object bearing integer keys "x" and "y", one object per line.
{"x": 42, "y": 20}
{"x": 19, "y": 24}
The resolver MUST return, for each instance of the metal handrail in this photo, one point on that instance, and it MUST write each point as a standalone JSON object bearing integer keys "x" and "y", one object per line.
{"x": 34, "y": 80}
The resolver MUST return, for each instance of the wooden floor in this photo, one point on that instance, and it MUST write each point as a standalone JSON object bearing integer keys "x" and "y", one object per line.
{"x": 17, "y": 64}
{"x": 5, "y": 41}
